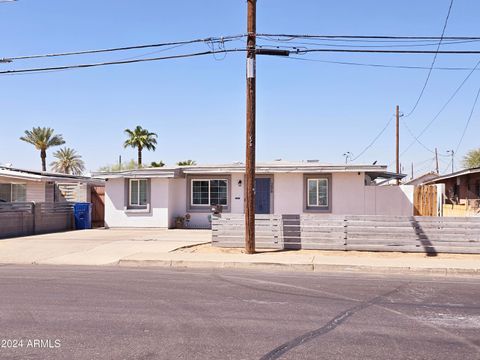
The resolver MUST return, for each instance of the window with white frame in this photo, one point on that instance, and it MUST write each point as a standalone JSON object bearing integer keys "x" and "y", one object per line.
{"x": 207, "y": 192}
{"x": 317, "y": 195}
{"x": 138, "y": 192}
{"x": 13, "y": 192}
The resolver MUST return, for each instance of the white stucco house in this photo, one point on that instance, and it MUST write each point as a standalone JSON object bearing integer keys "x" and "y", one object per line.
{"x": 21, "y": 185}
{"x": 155, "y": 197}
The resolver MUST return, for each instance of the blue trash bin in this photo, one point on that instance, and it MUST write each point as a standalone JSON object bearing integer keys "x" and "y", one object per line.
{"x": 83, "y": 216}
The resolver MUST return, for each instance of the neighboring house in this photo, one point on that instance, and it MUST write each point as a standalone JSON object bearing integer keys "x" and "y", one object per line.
{"x": 422, "y": 179}
{"x": 460, "y": 186}
{"x": 19, "y": 185}
{"x": 155, "y": 197}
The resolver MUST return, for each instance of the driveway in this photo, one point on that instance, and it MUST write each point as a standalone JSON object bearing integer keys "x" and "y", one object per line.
{"x": 97, "y": 246}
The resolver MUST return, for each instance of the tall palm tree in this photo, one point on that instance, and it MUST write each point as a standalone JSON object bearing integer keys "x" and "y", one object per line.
{"x": 42, "y": 138}
{"x": 140, "y": 138}
{"x": 68, "y": 162}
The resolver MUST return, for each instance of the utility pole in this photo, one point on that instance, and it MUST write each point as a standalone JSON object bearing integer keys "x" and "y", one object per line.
{"x": 436, "y": 161}
{"x": 412, "y": 171}
{"x": 250, "y": 145}
{"x": 397, "y": 138}
{"x": 453, "y": 159}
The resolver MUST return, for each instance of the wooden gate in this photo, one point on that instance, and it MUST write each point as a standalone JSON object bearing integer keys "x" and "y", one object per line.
{"x": 98, "y": 206}
{"x": 425, "y": 200}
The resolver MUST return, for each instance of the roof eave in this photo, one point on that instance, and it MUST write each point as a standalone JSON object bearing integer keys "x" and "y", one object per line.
{"x": 287, "y": 169}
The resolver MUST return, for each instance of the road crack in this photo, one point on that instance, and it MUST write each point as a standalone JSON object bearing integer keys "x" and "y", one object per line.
{"x": 329, "y": 326}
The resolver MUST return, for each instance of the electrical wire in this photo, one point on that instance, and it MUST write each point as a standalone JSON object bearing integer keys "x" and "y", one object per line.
{"x": 472, "y": 110}
{"x": 375, "y": 51}
{"x": 369, "y": 37}
{"x": 433, "y": 62}
{"x": 374, "y": 139}
{"x": 343, "y": 38}
{"x": 296, "y": 50}
{"x": 79, "y": 66}
{"x": 125, "y": 48}
{"x": 413, "y": 135}
{"x": 368, "y": 46}
{"x": 376, "y": 65}
{"x": 416, "y": 138}
{"x": 468, "y": 121}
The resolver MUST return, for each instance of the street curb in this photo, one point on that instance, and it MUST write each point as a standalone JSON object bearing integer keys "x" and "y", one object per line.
{"x": 215, "y": 265}
{"x": 299, "y": 267}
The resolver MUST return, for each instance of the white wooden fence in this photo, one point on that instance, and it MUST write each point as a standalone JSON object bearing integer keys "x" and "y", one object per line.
{"x": 430, "y": 235}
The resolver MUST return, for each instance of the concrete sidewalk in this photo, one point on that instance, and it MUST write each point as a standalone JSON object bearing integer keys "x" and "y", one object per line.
{"x": 207, "y": 256}
{"x": 95, "y": 247}
{"x": 183, "y": 248}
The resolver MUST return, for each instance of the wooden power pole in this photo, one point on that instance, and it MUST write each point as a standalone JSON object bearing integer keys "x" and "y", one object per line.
{"x": 436, "y": 161}
{"x": 397, "y": 141}
{"x": 250, "y": 148}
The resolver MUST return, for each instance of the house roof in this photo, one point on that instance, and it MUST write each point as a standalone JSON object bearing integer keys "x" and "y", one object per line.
{"x": 374, "y": 171}
{"x": 32, "y": 175}
{"x": 163, "y": 172}
{"x": 456, "y": 174}
{"x": 422, "y": 178}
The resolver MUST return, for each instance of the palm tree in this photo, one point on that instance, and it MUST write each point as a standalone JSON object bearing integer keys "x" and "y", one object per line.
{"x": 68, "y": 162}
{"x": 186, "y": 163}
{"x": 42, "y": 139}
{"x": 140, "y": 138}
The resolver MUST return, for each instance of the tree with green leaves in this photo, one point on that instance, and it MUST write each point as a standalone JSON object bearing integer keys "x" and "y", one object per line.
{"x": 140, "y": 138}
{"x": 68, "y": 162}
{"x": 157, "y": 164}
{"x": 472, "y": 159}
{"x": 187, "y": 163}
{"x": 42, "y": 138}
{"x": 130, "y": 165}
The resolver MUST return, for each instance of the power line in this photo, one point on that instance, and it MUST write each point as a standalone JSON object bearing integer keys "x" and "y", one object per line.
{"x": 416, "y": 138}
{"x": 375, "y": 51}
{"x": 424, "y": 161}
{"x": 433, "y": 61}
{"x": 425, "y": 168}
{"x": 468, "y": 120}
{"x": 371, "y": 46}
{"x": 413, "y": 135}
{"x": 378, "y": 65}
{"x": 54, "y": 68}
{"x": 124, "y": 48}
{"x": 79, "y": 66}
{"x": 374, "y": 139}
{"x": 240, "y": 36}
{"x": 465, "y": 127}
{"x": 390, "y": 37}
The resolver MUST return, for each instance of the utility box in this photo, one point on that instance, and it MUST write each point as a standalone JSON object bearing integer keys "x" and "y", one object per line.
{"x": 83, "y": 215}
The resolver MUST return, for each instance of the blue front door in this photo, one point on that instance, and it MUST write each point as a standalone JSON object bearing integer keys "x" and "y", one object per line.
{"x": 262, "y": 195}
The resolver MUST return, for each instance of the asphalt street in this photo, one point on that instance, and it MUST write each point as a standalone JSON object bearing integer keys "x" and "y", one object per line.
{"x": 132, "y": 313}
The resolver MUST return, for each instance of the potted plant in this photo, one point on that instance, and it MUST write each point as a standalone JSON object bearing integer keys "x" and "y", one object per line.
{"x": 180, "y": 222}
{"x": 187, "y": 218}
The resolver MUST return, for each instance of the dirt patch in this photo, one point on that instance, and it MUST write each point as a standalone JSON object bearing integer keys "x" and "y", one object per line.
{"x": 209, "y": 249}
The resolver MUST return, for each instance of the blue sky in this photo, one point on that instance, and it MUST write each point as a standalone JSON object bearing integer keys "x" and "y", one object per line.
{"x": 305, "y": 110}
